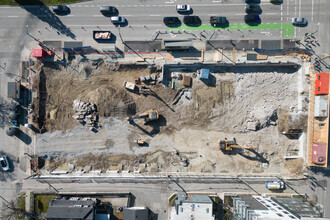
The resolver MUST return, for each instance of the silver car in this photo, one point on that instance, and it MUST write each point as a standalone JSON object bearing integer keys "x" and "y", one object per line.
{"x": 4, "y": 163}
{"x": 299, "y": 21}
{"x": 118, "y": 20}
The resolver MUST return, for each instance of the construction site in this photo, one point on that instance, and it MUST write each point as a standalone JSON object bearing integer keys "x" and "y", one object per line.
{"x": 98, "y": 115}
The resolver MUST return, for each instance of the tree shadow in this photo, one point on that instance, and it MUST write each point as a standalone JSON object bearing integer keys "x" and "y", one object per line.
{"x": 43, "y": 13}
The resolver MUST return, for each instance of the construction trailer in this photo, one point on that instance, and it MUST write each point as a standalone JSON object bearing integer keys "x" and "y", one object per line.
{"x": 14, "y": 90}
{"x": 321, "y": 106}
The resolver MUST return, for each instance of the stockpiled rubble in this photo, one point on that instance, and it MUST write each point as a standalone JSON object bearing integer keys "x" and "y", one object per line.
{"x": 85, "y": 112}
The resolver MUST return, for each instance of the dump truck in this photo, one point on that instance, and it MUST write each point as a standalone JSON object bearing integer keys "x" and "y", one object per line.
{"x": 150, "y": 115}
{"x": 226, "y": 145}
{"x": 102, "y": 35}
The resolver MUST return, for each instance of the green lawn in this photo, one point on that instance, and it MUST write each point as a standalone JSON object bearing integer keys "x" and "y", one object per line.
{"x": 21, "y": 205}
{"x": 41, "y": 202}
{"x": 37, "y": 2}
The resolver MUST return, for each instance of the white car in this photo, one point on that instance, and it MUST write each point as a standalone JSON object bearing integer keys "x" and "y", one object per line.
{"x": 118, "y": 20}
{"x": 299, "y": 21}
{"x": 4, "y": 163}
{"x": 183, "y": 8}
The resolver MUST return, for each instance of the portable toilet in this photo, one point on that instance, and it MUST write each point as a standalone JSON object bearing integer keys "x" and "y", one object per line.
{"x": 204, "y": 74}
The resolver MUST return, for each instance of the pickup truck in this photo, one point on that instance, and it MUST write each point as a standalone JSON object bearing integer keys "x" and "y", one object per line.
{"x": 102, "y": 35}
{"x": 218, "y": 21}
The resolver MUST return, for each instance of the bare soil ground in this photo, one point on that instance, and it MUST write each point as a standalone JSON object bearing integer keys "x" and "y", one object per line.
{"x": 193, "y": 126}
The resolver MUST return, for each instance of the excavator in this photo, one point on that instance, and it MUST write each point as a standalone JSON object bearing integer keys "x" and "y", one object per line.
{"x": 150, "y": 115}
{"x": 226, "y": 145}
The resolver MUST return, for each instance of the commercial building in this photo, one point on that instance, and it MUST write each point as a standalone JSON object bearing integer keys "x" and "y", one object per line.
{"x": 136, "y": 213}
{"x": 71, "y": 208}
{"x": 258, "y": 207}
{"x": 192, "y": 206}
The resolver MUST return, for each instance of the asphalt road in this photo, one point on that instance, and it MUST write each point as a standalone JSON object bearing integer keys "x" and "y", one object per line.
{"x": 145, "y": 17}
{"x": 159, "y": 191}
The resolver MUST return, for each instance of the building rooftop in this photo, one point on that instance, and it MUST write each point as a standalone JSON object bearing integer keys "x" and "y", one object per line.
{"x": 73, "y": 208}
{"x": 296, "y": 206}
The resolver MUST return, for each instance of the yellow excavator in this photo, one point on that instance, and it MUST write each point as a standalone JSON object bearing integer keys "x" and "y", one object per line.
{"x": 226, "y": 145}
{"x": 150, "y": 115}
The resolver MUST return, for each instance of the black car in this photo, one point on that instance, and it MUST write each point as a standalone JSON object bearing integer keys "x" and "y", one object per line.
{"x": 60, "y": 8}
{"x": 252, "y": 19}
{"x": 218, "y": 21}
{"x": 192, "y": 20}
{"x": 172, "y": 21}
{"x": 108, "y": 10}
{"x": 253, "y": 9}
{"x": 252, "y": 1}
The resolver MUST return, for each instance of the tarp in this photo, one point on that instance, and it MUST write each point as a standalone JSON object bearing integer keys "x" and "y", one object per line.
{"x": 38, "y": 52}
{"x": 205, "y": 74}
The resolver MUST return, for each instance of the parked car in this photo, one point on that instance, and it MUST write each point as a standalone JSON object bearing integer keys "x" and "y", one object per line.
{"x": 252, "y": 1}
{"x": 118, "y": 20}
{"x": 192, "y": 20}
{"x": 275, "y": 185}
{"x": 218, "y": 21}
{"x": 299, "y": 21}
{"x": 253, "y": 9}
{"x": 172, "y": 21}
{"x": 252, "y": 19}
{"x": 183, "y": 8}
{"x": 60, "y": 9}
{"x": 4, "y": 163}
{"x": 108, "y": 10}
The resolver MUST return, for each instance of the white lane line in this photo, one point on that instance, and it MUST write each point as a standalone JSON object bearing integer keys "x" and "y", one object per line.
{"x": 241, "y": 14}
{"x": 12, "y": 16}
{"x": 270, "y": 13}
{"x": 155, "y": 15}
{"x": 312, "y": 10}
{"x": 126, "y": 15}
{"x": 70, "y": 15}
{"x": 299, "y": 8}
{"x": 97, "y": 15}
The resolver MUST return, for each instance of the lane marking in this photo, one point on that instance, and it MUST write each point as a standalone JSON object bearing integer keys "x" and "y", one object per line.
{"x": 299, "y": 8}
{"x": 12, "y": 16}
{"x": 126, "y": 15}
{"x": 312, "y": 10}
{"x": 270, "y": 13}
{"x": 155, "y": 15}
{"x": 71, "y": 15}
{"x": 97, "y": 15}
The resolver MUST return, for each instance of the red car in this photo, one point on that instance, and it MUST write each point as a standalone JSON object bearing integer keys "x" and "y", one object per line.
{"x": 319, "y": 153}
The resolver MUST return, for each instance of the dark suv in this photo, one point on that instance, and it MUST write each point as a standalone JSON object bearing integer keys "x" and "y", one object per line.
{"x": 60, "y": 9}
{"x": 109, "y": 10}
{"x": 192, "y": 20}
{"x": 253, "y": 9}
{"x": 172, "y": 21}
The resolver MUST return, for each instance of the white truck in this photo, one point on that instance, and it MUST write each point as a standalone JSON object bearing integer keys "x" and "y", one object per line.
{"x": 275, "y": 184}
